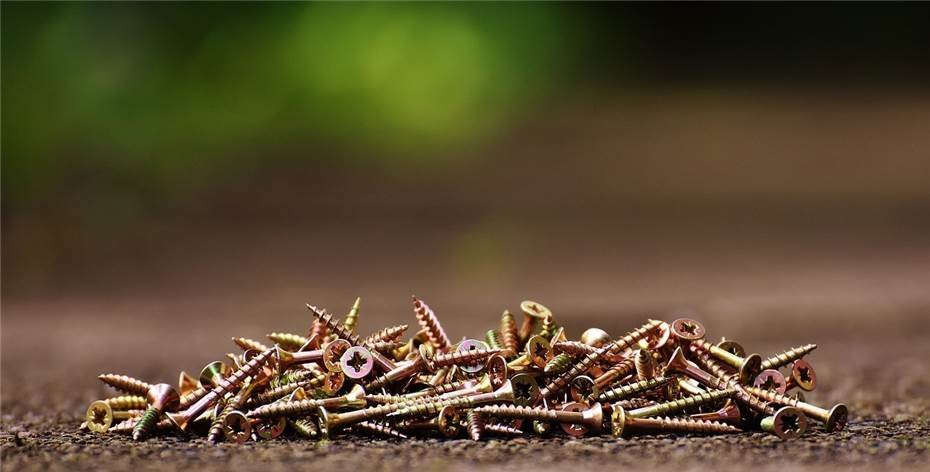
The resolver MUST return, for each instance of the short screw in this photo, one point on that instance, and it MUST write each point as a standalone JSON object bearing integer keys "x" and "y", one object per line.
{"x": 533, "y": 312}
{"x": 645, "y": 365}
{"x": 288, "y": 341}
{"x": 475, "y": 424}
{"x": 161, "y": 397}
{"x": 509, "y": 334}
{"x": 127, "y": 384}
{"x": 352, "y": 317}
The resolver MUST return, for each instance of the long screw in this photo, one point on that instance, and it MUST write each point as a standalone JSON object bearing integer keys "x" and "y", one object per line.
{"x": 673, "y": 406}
{"x": 833, "y": 419}
{"x": 624, "y": 391}
{"x": 592, "y": 417}
{"x": 784, "y": 358}
{"x": 621, "y": 423}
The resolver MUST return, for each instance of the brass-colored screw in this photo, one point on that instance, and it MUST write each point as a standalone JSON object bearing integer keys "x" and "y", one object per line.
{"x": 558, "y": 364}
{"x": 771, "y": 379}
{"x": 228, "y": 423}
{"x": 493, "y": 338}
{"x": 728, "y": 413}
{"x": 787, "y": 423}
{"x": 210, "y": 375}
{"x": 645, "y": 365}
{"x": 533, "y": 312}
{"x": 628, "y": 390}
{"x": 595, "y": 337}
{"x": 391, "y": 333}
{"x": 429, "y": 322}
{"x": 125, "y": 383}
{"x": 448, "y": 423}
{"x": 621, "y": 423}
{"x": 833, "y": 419}
{"x": 749, "y": 366}
{"x": 548, "y": 328}
{"x": 503, "y": 429}
{"x": 380, "y": 429}
{"x": 281, "y": 391}
{"x": 475, "y": 424}
{"x": 352, "y": 316}
{"x": 673, "y": 406}
{"x": 354, "y": 399}
{"x": 101, "y": 415}
{"x": 802, "y": 376}
{"x": 245, "y": 344}
{"x": 592, "y": 418}
{"x": 161, "y": 397}
{"x": 784, "y": 358}
{"x": 289, "y": 341}
{"x": 615, "y": 372}
{"x": 509, "y": 334}
{"x": 502, "y": 394}
{"x": 340, "y": 330}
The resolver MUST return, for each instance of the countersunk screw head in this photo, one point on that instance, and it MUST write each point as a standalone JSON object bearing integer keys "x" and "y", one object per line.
{"x": 213, "y": 372}
{"x": 750, "y": 368}
{"x": 582, "y": 388}
{"x": 498, "y": 371}
{"x": 770, "y": 379}
{"x": 787, "y": 423}
{"x": 539, "y": 351}
{"x": 449, "y": 422}
{"x": 471, "y": 345}
{"x": 732, "y": 347}
{"x": 99, "y": 416}
{"x": 525, "y": 389}
{"x": 803, "y": 375}
{"x": 617, "y": 420}
{"x": 237, "y": 427}
{"x": 357, "y": 362}
{"x": 593, "y": 419}
{"x": 332, "y": 354}
{"x": 837, "y": 418}
{"x": 595, "y": 337}
{"x": 687, "y": 329}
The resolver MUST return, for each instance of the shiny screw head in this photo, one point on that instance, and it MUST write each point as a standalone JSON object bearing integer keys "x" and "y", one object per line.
{"x": 357, "y": 362}
{"x": 332, "y": 354}
{"x": 770, "y": 379}
{"x": 687, "y": 329}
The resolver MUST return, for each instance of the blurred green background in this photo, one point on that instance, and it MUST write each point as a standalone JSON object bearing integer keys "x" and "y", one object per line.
{"x": 130, "y": 126}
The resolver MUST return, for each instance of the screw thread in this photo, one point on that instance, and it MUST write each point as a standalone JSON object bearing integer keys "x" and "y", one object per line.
{"x": 431, "y": 407}
{"x": 334, "y": 326}
{"x": 217, "y": 426}
{"x": 635, "y": 402}
{"x": 784, "y": 358}
{"x": 384, "y": 347}
{"x": 282, "y": 391}
{"x": 548, "y": 328}
{"x": 462, "y": 357}
{"x": 286, "y": 408}
{"x": 475, "y": 424}
{"x": 557, "y": 384}
{"x": 380, "y": 428}
{"x": 574, "y": 348}
{"x": 352, "y": 317}
{"x": 683, "y": 425}
{"x": 126, "y": 384}
{"x": 245, "y": 344}
{"x": 430, "y": 323}
{"x": 558, "y": 364}
{"x": 127, "y": 402}
{"x": 127, "y": 426}
{"x": 145, "y": 424}
{"x": 249, "y": 369}
{"x": 617, "y": 371}
{"x": 680, "y": 404}
{"x": 392, "y": 333}
{"x": 509, "y": 335}
{"x": 502, "y": 429}
{"x": 645, "y": 365}
{"x": 519, "y": 412}
{"x": 624, "y": 391}
{"x": 288, "y": 341}
{"x": 294, "y": 376}
{"x": 191, "y": 397}
{"x": 775, "y": 397}
{"x": 493, "y": 338}
{"x": 305, "y": 428}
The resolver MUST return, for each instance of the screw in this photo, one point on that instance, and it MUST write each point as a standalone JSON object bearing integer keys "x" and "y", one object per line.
{"x": 833, "y": 419}
{"x": 533, "y": 312}
{"x": 161, "y": 397}
{"x": 591, "y": 418}
{"x": 379, "y": 428}
{"x": 502, "y": 394}
{"x": 686, "y": 329}
{"x": 645, "y": 365}
{"x": 100, "y": 416}
{"x": 391, "y": 333}
{"x": 749, "y": 366}
{"x": 732, "y": 347}
{"x": 628, "y": 390}
{"x": 509, "y": 334}
{"x": 473, "y": 345}
{"x": 209, "y": 376}
{"x": 430, "y": 323}
{"x": 677, "y": 364}
{"x": 662, "y": 409}
{"x": 230, "y": 423}
{"x": 558, "y": 364}
{"x": 728, "y": 413}
{"x": 802, "y": 376}
{"x": 787, "y": 423}
{"x": 616, "y": 371}
{"x": 621, "y": 423}
{"x": 125, "y": 383}
{"x": 784, "y": 358}
{"x": 289, "y": 341}
{"x": 493, "y": 339}
{"x": 245, "y": 344}
{"x": 548, "y": 328}
{"x": 595, "y": 337}
{"x": 475, "y": 424}
{"x": 504, "y": 430}
{"x": 582, "y": 388}
{"x": 357, "y": 362}
{"x": 356, "y": 398}
{"x": 770, "y": 379}
{"x": 448, "y": 422}
{"x": 352, "y": 316}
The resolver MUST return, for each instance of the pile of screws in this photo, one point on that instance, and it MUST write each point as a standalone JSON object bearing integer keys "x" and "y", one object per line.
{"x": 526, "y": 379}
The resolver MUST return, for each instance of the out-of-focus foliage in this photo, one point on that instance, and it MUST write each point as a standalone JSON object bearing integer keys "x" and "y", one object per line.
{"x": 158, "y": 91}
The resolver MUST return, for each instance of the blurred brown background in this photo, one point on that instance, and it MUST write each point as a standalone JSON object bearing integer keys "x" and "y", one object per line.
{"x": 176, "y": 174}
